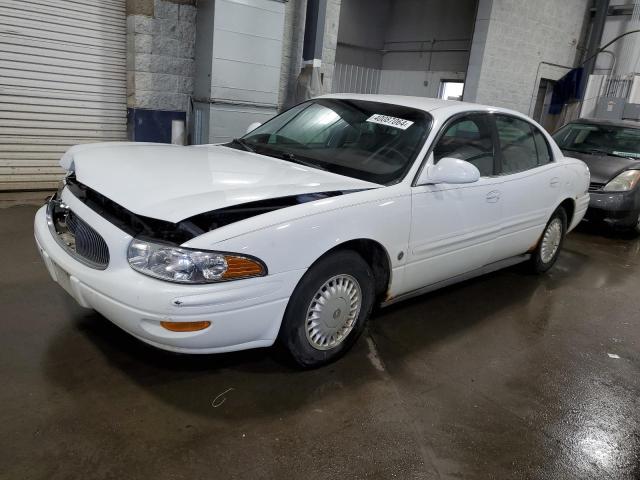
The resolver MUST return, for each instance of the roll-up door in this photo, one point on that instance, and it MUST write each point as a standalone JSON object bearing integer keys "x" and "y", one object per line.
{"x": 62, "y": 82}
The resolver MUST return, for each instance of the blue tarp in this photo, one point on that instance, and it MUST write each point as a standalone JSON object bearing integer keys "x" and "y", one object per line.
{"x": 567, "y": 89}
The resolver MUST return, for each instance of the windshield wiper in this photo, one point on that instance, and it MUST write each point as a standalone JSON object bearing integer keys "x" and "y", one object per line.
{"x": 612, "y": 154}
{"x": 293, "y": 158}
{"x": 606, "y": 152}
{"x": 595, "y": 151}
{"x": 244, "y": 144}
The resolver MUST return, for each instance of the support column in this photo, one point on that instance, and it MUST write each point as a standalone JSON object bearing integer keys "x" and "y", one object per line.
{"x": 309, "y": 82}
{"x": 160, "y": 66}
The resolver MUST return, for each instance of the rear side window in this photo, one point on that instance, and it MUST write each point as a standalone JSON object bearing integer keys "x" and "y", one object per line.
{"x": 544, "y": 151}
{"x": 517, "y": 144}
{"x": 468, "y": 138}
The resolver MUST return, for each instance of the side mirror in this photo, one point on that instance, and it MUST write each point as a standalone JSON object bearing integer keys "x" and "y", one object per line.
{"x": 253, "y": 126}
{"x": 449, "y": 170}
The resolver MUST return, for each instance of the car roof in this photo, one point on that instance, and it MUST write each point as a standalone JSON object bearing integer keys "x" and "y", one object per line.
{"x": 423, "y": 103}
{"x": 612, "y": 123}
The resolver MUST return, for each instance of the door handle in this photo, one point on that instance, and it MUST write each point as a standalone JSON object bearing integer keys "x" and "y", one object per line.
{"x": 493, "y": 196}
{"x": 555, "y": 182}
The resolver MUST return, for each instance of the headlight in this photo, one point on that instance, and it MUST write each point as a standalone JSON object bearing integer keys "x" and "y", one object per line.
{"x": 624, "y": 182}
{"x": 187, "y": 265}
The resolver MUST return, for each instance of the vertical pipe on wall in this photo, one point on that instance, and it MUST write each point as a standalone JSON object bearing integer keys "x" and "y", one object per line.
{"x": 314, "y": 30}
{"x": 599, "y": 20}
{"x": 309, "y": 82}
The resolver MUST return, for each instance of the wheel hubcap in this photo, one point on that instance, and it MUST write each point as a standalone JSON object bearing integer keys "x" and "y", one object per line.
{"x": 333, "y": 312}
{"x": 551, "y": 240}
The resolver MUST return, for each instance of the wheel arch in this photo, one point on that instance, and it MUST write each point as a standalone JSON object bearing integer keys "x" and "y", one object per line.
{"x": 569, "y": 206}
{"x": 376, "y": 256}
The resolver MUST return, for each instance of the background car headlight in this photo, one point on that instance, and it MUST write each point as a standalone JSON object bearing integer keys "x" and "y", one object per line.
{"x": 187, "y": 265}
{"x": 624, "y": 182}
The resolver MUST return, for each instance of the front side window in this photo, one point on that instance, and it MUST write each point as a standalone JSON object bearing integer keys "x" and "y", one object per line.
{"x": 371, "y": 141}
{"x": 468, "y": 138}
{"x": 612, "y": 140}
{"x": 517, "y": 144}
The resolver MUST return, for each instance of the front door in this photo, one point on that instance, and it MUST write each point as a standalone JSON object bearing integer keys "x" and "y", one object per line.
{"x": 454, "y": 227}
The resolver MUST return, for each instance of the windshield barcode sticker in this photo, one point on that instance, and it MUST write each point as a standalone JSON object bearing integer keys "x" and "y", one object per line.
{"x": 390, "y": 121}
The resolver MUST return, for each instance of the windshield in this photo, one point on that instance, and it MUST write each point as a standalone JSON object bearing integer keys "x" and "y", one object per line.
{"x": 375, "y": 142}
{"x": 611, "y": 140}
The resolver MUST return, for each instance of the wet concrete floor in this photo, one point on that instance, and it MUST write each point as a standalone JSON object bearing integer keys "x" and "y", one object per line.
{"x": 503, "y": 377}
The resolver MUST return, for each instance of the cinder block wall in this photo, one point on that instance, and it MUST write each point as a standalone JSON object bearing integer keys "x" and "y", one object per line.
{"x": 161, "y": 37}
{"x": 511, "y": 38}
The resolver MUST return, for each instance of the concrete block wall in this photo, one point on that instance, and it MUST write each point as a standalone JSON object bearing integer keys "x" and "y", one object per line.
{"x": 512, "y": 38}
{"x": 161, "y": 38}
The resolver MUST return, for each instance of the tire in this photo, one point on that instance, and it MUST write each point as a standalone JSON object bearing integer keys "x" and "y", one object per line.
{"x": 542, "y": 259}
{"x": 313, "y": 344}
{"x": 636, "y": 229}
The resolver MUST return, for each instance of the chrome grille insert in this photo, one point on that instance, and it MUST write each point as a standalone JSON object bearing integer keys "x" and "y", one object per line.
{"x": 74, "y": 235}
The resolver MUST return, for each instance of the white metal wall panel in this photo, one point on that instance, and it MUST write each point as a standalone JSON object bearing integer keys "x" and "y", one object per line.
{"x": 355, "y": 79}
{"x": 62, "y": 82}
{"x": 247, "y": 50}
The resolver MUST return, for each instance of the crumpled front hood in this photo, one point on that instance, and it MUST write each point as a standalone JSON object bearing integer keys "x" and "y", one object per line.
{"x": 172, "y": 183}
{"x": 604, "y": 168}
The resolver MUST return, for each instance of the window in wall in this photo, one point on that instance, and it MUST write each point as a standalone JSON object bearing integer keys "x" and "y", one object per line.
{"x": 517, "y": 144}
{"x": 451, "y": 90}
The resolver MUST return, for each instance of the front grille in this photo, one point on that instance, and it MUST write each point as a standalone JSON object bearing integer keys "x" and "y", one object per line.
{"x": 88, "y": 243}
{"x": 76, "y": 236}
{"x": 594, "y": 186}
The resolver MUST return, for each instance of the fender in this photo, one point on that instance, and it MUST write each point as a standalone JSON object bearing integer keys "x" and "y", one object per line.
{"x": 293, "y": 239}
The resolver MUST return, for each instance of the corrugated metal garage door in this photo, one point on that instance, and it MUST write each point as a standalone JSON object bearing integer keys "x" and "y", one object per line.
{"x": 62, "y": 82}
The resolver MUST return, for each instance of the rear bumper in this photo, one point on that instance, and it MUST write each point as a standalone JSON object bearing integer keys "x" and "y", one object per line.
{"x": 243, "y": 314}
{"x": 616, "y": 209}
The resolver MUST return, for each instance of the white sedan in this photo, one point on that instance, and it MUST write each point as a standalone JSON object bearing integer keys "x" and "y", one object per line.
{"x": 295, "y": 231}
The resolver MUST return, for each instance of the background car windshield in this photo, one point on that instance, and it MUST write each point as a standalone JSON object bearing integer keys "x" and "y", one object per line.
{"x": 606, "y": 139}
{"x": 371, "y": 141}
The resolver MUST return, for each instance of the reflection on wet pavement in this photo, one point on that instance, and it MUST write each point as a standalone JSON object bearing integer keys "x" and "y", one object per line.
{"x": 505, "y": 376}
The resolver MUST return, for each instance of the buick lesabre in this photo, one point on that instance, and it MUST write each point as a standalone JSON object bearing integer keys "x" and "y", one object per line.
{"x": 294, "y": 232}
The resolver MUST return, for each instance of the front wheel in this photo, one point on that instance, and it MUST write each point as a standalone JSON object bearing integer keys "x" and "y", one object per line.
{"x": 550, "y": 244}
{"x": 328, "y": 309}
{"x": 636, "y": 229}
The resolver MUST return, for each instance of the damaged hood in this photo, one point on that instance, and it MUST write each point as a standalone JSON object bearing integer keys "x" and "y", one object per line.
{"x": 171, "y": 183}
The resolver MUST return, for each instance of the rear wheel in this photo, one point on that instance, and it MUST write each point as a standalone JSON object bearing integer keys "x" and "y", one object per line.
{"x": 550, "y": 244}
{"x": 328, "y": 309}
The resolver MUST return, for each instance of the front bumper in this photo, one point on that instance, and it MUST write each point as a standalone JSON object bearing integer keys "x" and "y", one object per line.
{"x": 243, "y": 314}
{"x": 616, "y": 209}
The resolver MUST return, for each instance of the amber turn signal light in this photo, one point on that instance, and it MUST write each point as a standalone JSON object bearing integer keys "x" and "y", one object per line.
{"x": 185, "y": 326}
{"x": 241, "y": 267}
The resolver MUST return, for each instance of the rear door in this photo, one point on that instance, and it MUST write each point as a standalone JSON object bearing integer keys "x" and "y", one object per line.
{"x": 531, "y": 184}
